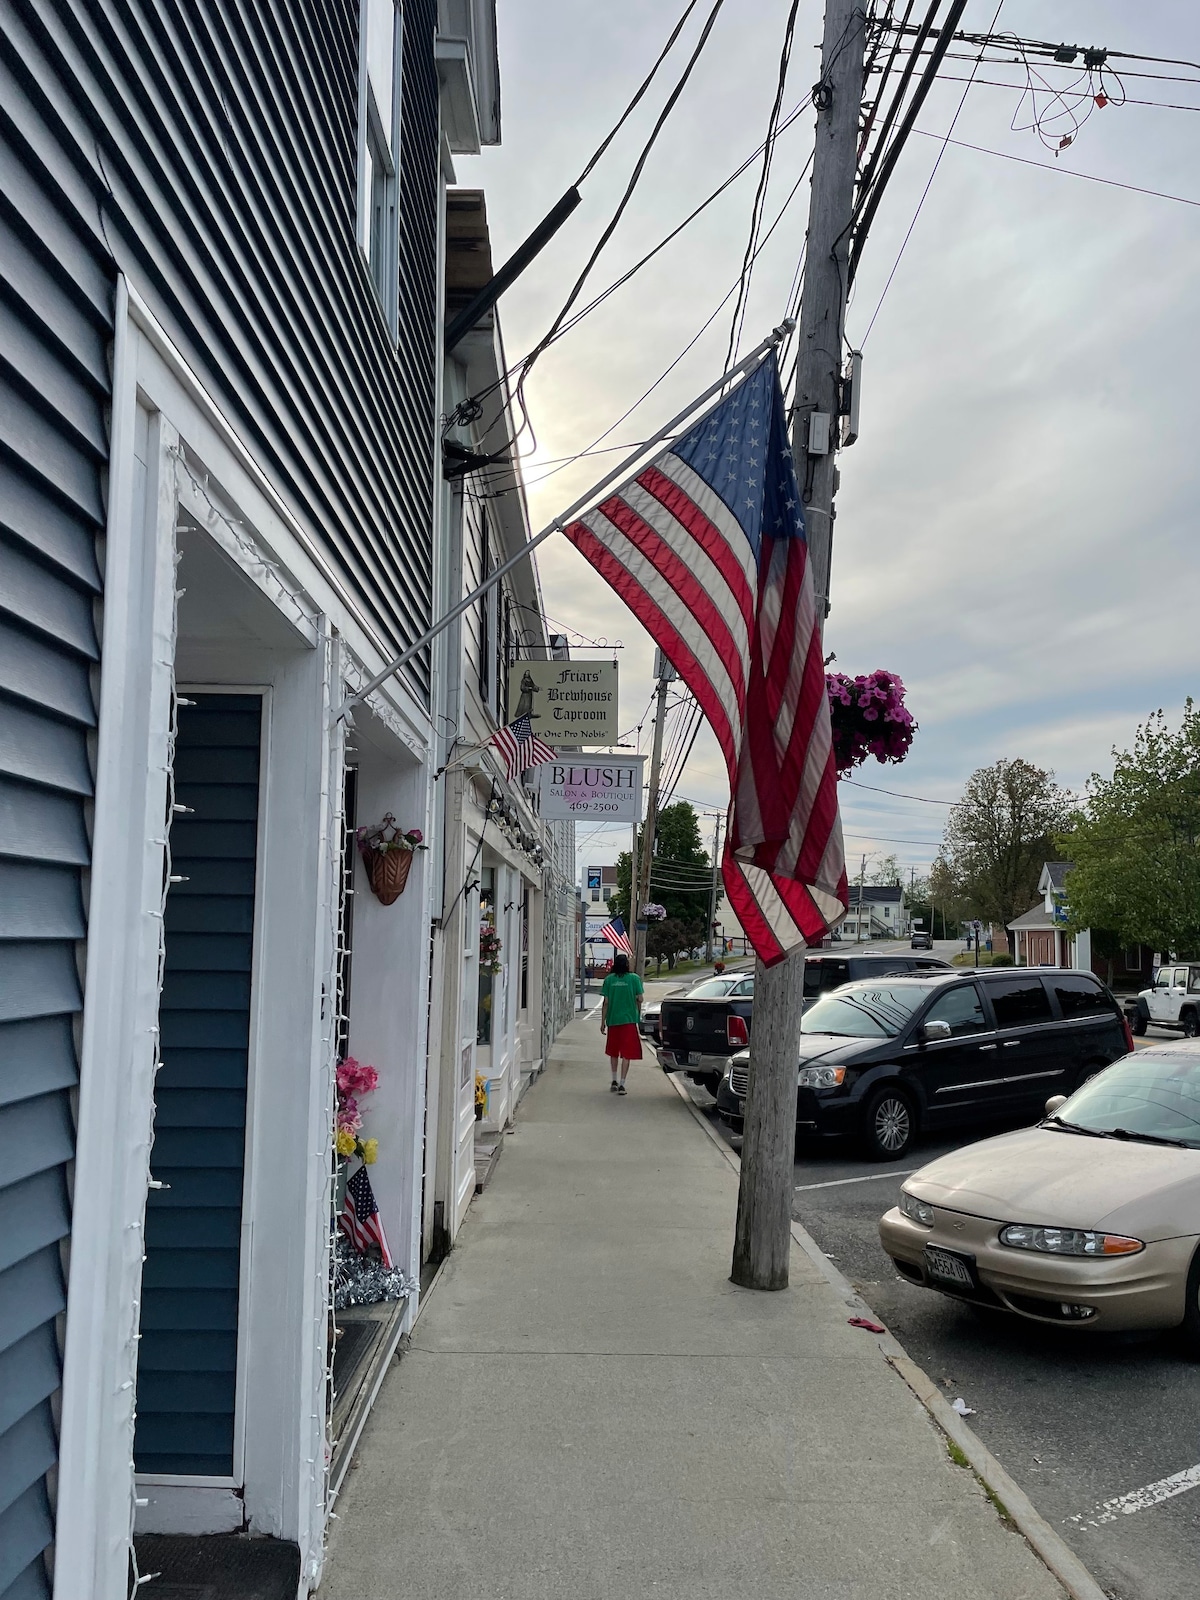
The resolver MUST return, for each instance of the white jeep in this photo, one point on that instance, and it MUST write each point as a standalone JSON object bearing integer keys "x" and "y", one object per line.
{"x": 1173, "y": 1000}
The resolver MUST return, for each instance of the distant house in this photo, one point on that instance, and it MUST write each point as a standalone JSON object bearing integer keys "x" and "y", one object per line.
{"x": 876, "y": 911}
{"x": 1041, "y": 937}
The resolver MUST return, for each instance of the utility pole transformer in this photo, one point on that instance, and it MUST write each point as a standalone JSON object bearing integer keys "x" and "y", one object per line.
{"x": 762, "y": 1241}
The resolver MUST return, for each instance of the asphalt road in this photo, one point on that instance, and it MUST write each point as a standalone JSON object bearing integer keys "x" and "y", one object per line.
{"x": 1077, "y": 1421}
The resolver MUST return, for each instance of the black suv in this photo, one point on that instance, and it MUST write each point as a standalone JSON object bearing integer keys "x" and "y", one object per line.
{"x": 890, "y": 1057}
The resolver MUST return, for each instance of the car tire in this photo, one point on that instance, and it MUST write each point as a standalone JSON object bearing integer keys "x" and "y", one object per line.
{"x": 1139, "y": 1024}
{"x": 1191, "y": 1025}
{"x": 889, "y": 1124}
{"x": 712, "y": 1083}
{"x": 1188, "y": 1333}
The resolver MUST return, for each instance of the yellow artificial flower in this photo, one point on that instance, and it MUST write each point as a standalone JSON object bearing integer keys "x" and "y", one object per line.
{"x": 370, "y": 1149}
{"x": 345, "y": 1142}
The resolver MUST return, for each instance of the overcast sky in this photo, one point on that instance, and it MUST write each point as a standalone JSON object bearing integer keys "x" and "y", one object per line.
{"x": 1015, "y": 532}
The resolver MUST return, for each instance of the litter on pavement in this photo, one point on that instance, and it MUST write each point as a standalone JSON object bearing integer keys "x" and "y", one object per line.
{"x": 865, "y": 1322}
{"x": 961, "y": 1406}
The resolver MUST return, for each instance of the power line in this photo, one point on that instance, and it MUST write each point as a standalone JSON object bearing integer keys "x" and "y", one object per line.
{"x": 760, "y": 194}
{"x": 1066, "y": 172}
{"x": 889, "y": 162}
{"x": 899, "y": 794}
{"x": 634, "y": 103}
{"x": 634, "y": 178}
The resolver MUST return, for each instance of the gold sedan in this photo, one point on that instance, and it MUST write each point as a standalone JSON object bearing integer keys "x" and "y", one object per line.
{"x": 1089, "y": 1220}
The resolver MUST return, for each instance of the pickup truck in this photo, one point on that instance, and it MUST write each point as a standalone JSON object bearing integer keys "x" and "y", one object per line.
{"x": 699, "y": 1032}
{"x": 703, "y": 1028}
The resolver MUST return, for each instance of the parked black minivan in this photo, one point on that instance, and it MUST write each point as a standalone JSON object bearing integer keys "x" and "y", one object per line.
{"x": 888, "y": 1058}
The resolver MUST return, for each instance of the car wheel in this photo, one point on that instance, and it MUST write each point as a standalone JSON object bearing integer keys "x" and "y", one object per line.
{"x": 1139, "y": 1024}
{"x": 888, "y": 1125}
{"x": 1191, "y": 1025}
{"x": 1189, "y": 1331}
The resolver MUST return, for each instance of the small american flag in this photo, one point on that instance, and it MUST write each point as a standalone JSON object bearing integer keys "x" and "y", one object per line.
{"x": 360, "y": 1220}
{"x": 613, "y": 933}
{"x": 519, "y": 747}
{"x": 707, "y": 547}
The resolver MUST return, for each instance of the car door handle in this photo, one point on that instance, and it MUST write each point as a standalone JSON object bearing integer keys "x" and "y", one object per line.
{"x": 1011, "y": 1044}
{"x": 989, "y": 1047}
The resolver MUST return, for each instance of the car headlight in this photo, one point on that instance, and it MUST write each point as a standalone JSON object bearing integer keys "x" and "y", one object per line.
{"x": 1068, "y": 1241}
{"x": 820, "y": 1077}
{"x": 916, "y": 1210}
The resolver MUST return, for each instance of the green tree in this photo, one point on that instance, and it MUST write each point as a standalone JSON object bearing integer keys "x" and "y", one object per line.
{"x": 998, "y": 837}
{"x": 680, "y": 860}
{"x": 1135, "y": 844}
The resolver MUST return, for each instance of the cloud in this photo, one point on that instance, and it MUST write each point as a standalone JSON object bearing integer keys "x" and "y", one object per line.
{"x": 1016, "y": 526}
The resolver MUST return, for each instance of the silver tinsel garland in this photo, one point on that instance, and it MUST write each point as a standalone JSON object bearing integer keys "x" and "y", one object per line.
{"x": 364, "y": 1280}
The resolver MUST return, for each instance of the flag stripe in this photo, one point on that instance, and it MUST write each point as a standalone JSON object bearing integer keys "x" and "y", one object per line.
{"x": 677, "y": 582}
{"x": 662, "y": 628}
{"x": 680, "y": 509}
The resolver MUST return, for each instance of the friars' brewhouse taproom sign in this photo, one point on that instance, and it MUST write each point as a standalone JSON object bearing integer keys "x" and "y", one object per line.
{"x": 567, "y": 702}
{"x": 608, "y": 789}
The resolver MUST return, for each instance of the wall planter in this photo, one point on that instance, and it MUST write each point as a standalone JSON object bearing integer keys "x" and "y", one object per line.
{"x": 387, "y": 854}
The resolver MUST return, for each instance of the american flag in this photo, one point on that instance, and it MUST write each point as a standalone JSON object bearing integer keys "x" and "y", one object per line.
{"x": 707, "y": 547}
{"x": 360, "y": 1220}
{"x": 519, "y": 747}
{"x": 613, "y": 933}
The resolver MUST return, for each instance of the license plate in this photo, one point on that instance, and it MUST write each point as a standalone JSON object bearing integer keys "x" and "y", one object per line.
{"x": 693, "y": 1058}
{"x": 950, "y": 1268}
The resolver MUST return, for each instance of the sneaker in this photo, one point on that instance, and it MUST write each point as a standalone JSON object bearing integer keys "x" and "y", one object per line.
{"x": 620, "y": 1088}
{"x": 614, "y": 1086}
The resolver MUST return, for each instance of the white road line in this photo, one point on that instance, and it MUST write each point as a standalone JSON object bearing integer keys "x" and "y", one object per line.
{"x": 1123, "y": 1505}
{"x": 871, "y": 1177}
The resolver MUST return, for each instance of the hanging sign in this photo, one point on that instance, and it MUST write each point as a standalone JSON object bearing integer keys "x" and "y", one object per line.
{"x": 568, "y": 703}
{"x": 609, "y": 790}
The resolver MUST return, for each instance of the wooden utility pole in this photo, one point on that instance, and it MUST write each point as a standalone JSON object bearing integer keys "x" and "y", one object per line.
{"x": 712, "y": 894}
{"x": 642, "y": 890}
{"x": 762, "y": 1242}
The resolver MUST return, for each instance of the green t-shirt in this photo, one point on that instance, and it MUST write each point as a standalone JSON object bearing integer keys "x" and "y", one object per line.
{"x": 622, "y": 991}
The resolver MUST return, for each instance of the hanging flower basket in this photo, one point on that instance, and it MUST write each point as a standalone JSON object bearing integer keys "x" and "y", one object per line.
{"x": 387, "y": 855}
{"x": 489, "y": 949}
{"x": 869, "y": 718}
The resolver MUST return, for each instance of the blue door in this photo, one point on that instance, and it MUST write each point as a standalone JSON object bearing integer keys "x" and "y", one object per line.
{"x": 187, "y": 1365}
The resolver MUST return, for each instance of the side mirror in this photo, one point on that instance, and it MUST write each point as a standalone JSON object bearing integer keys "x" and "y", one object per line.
{"x": 1054, "y": 1102}
{"x": 934, "y": 1030}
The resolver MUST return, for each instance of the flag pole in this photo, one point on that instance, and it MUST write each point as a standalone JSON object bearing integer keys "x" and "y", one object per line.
{"x": 493, "y": 577}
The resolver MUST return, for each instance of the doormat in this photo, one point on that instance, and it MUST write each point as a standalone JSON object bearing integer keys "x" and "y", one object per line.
{"x": 225, "y": 1566}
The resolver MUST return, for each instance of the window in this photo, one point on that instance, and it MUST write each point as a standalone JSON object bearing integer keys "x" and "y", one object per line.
{"x": 595, "y": 896}
{"x": 1133, "y": 959}
{"x": 820, "y": 976}
{"x": 378, "y": 118}
{"x": 1162, "y": 978}
{"x": 1181, "y": 977}
{"x": 1079, "y": 997}
{"x": 962, "y": 1009}
{"x": 865, "y": 1011}
{"x": 1018, "y": 1001}
{"x": 746, "y": 987}
{"x": 1194, "y": 980}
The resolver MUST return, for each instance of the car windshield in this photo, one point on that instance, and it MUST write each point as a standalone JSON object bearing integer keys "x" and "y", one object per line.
{"x": 711, "y": 989}
{"x": 865, "y": 1010}
{"x": 1147, "y": 1096}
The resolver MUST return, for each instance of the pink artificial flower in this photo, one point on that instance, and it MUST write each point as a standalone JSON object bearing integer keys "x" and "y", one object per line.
{"x": 415, "y": 835}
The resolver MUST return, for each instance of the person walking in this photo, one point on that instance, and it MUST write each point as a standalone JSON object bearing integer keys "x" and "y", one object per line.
{"x": 620, "y": 1012}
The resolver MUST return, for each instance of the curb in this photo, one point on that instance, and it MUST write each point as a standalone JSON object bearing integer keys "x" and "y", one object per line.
{"x": 1054, "y": 1552}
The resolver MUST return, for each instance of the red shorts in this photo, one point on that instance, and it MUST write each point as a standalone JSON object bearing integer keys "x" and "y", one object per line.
{"x": 623, "y": 1040}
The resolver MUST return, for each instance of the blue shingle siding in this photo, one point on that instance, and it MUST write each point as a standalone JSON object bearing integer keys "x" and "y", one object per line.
{"x": 188, "y": 1352}
{"x": 56, "y": 295}
{"x": 213, "y": 148}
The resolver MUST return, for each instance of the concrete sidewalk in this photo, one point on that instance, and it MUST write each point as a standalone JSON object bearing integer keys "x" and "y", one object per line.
{"x": 590, "y": 1410}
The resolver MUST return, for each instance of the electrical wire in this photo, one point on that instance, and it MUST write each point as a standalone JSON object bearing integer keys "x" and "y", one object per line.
{"x": 636, "y": 101}
{"x": 1066, "y": 172}
{"x": 928, "y": 185}
{"x": 760, "y": 194}
{"x": 614, "y": 221}
{"x": 691, "y": 344}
